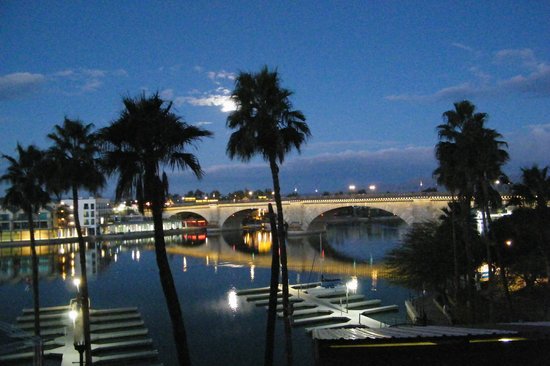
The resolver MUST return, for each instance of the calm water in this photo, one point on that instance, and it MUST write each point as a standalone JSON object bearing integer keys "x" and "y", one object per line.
{"x": 205, "y": 271}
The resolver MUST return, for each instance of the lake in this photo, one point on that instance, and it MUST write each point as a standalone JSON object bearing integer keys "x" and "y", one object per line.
{"x": 206, "y": 270}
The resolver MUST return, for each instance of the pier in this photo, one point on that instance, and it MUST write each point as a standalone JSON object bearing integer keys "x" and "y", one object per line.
{"x": 317, "y": 307}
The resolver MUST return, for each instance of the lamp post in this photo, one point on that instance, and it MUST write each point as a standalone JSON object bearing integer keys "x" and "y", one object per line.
{"x": 78, "y": 323}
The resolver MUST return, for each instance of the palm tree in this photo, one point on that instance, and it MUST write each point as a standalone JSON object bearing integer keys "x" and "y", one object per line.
{"x": 534, "y": 189}
{"x": 267, "y": 125}
{"x": 74, "y": 157}
{"x": 27, "y": 192}
{"x": 470, "y": 158}
{"x": 147, "y": 138}
{"x": 448, "y": 157}
{"x": 453, "y": 172}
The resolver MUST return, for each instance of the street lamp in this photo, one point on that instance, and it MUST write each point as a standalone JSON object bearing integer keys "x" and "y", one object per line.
{"x": 372, "y": 187}
{"x": 75, "y": 314}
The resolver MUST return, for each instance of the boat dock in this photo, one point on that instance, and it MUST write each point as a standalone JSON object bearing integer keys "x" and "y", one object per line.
{"x": 119, "y": 336}
{"x": 318, "y": 307}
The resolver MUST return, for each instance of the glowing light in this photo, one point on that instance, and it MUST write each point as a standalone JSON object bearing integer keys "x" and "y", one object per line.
{"x": 508, "y": 243}
{"x": 232, "y": 300}
{"x": 76, "y": 282}
{"x": 351, "y": 187}
{"x": 352, "y": 284}
{"x": 372, "y": 187}
{"x": 73, "y": 314}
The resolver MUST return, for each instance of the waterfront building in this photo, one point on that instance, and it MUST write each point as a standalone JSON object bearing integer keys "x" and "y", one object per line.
{"x": 14, "y": 225}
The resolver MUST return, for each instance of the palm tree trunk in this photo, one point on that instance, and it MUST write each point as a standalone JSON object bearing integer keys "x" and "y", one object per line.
{"x": 35, "y": 289}
{"x": 456, "y": 275}
{"x": 167, "y": 280}
{"x": 273, "y": 289}
{"x": 84, "y": 298}
{"x": 282, "y": 246}
{"x": 465, "y": 212}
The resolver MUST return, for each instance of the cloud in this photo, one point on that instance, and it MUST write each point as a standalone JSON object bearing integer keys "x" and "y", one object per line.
{"x": 220, "y": 97}
{"x": 529, "y": 146}
{"x": 167, "y": 94}
{"x": 67, "y": 81}
{"x": 222, "y": 101}
{"x": 91, "y": 85}
{"x": 213, "y": 75}
{"x": 525, "y": 56}
{"x": 462, "y": 46}
{"x": 462, "y": 91}
{"x": 202, "y": 123}
{"x": 20, "y": 84}
{"x": 331, "y": 145}
{"x": 535, "y": 82}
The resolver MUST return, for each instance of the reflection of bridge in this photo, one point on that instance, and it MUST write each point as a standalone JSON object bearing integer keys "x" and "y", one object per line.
{"x": 303, "y": 256}
{"x": 301, "y": 213}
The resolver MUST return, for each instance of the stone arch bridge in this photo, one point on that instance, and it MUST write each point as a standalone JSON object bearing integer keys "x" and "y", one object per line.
{"x": 300, "y": 213}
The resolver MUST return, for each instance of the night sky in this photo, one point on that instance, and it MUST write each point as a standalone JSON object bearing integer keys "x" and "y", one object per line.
{"x": 372, "y": 78}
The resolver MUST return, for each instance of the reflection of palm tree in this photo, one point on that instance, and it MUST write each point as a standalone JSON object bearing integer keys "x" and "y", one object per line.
{"x": 146, "y": 138}
{"x": 26, "y": 192}
{"x": 267, "y": 125}
{"x": 74, "y": 157}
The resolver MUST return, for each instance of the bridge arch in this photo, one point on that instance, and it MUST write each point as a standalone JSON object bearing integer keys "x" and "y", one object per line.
{"x": 348, "y": 213}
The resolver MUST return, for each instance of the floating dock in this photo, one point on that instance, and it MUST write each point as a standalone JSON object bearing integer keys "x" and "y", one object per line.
{"x": 318, "y": 307}
{"x": 119, "y": 337}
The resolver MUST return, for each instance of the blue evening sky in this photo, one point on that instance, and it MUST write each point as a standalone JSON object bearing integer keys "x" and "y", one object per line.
{"x": 372, "y": 77}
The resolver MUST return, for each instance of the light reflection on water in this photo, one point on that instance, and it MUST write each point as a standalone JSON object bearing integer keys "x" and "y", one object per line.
{"x": 221, "y": 326}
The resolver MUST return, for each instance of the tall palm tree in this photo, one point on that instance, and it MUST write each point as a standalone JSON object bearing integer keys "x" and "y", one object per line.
{"x": 147, "y": 138}
{"x": 470, "y": 158}
{"x": 448, "y": 157}
{"x": 74, "y": 155}
{"x": 453, "y": 172}
{"x": 26, "y": 191}
{"x": 267, "y": 125}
